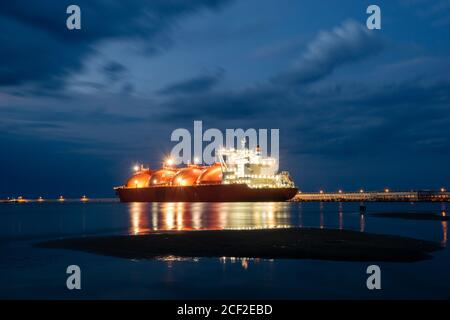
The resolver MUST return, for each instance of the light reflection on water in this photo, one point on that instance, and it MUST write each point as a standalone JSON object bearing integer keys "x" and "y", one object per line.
{"x": 244, "y": 262}
{"x": 148, "y": 217}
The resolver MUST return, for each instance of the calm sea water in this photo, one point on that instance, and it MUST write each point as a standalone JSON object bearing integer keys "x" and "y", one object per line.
{"x": 29, "y": 272}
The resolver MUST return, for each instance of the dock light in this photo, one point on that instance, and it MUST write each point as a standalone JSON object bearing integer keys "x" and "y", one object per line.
{"x": 136, "y": 168}
{"x": 340, "y": 191}
{"x": 386, "y": 190}
{"x": 40, "y": 199}
{"x": 61, "y": 199}
{"x": 21, "y": 199}
{"x": 361, "y": 191}
{"x": 84, "y": 199}
{"x": 443, "y": 190}
{"x": 321, "y": 191}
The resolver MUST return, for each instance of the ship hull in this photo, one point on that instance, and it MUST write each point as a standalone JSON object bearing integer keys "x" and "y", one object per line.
{"x": 205, "y": 193}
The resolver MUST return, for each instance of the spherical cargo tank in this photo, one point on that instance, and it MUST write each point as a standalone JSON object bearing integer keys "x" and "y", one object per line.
{"x": 211, "y": 175}
{"x": 139, "y": 179}
{"x": 187, "y": 176}
{"x": 162, "y": 177}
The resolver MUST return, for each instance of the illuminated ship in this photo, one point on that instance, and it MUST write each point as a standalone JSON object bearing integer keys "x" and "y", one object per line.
{"x": 242, "y": 175}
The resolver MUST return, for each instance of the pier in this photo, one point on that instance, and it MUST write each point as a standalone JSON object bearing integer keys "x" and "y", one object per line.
{"x": 386, "y": 195}
{"x": 61, "y": 199}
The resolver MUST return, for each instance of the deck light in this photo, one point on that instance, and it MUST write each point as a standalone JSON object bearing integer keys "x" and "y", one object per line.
{"x": 170, "y": 162}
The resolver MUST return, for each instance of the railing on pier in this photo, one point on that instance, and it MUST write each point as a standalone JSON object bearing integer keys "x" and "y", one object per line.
{"x": 400, "y": 196}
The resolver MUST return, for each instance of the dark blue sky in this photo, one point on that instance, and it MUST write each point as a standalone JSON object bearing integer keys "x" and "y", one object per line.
{"x": 355, "y": 108}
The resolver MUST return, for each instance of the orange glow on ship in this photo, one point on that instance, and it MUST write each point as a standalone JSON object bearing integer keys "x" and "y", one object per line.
{"x": 187, "y": 176}
{"x": 139, "y": 179}
{"x": 211, "y": 175}
{"x": 162, "y": 177}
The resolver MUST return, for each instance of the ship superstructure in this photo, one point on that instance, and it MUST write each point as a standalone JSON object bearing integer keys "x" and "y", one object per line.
{"x": 250, "y": 167}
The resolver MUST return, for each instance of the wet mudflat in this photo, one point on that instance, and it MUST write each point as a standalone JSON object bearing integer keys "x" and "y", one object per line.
{"x": 289, "y": 243}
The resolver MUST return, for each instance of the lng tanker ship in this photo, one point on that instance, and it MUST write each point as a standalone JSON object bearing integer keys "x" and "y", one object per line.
{"x": 238, "y": 175}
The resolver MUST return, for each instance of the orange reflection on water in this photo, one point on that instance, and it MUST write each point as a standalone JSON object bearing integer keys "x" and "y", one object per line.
{"x": 206, "y": 216}
{"x": 139, "y": 219}
{"x": 362, "y": 222}
{"x": 245, "y": 262}
{"x": 322, "y": 218}
{"x": 444, "y": 230}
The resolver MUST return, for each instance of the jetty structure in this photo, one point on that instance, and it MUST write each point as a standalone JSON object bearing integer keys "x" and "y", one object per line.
{"x": 380, "y": 196}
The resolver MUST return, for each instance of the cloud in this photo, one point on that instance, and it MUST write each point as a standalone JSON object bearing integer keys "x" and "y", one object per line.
{"x": 329, "y": 50}
{"x": 37, "y": 48}
{"x": 408, "y": 116}
{"x": 113, "y": 70}
{"x": 194, "y": 85}
{"x": 222, "y": 105}
{"x": 344, "y": 44}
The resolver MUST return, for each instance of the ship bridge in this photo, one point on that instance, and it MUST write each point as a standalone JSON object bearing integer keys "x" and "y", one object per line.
{"x": 248, "y": 166}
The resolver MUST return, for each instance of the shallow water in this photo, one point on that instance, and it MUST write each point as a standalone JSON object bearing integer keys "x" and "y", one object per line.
{"x": 29, "y": 272}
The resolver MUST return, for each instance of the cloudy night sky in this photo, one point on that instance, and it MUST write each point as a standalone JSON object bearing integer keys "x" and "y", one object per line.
{"x": 355, "y": 108}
